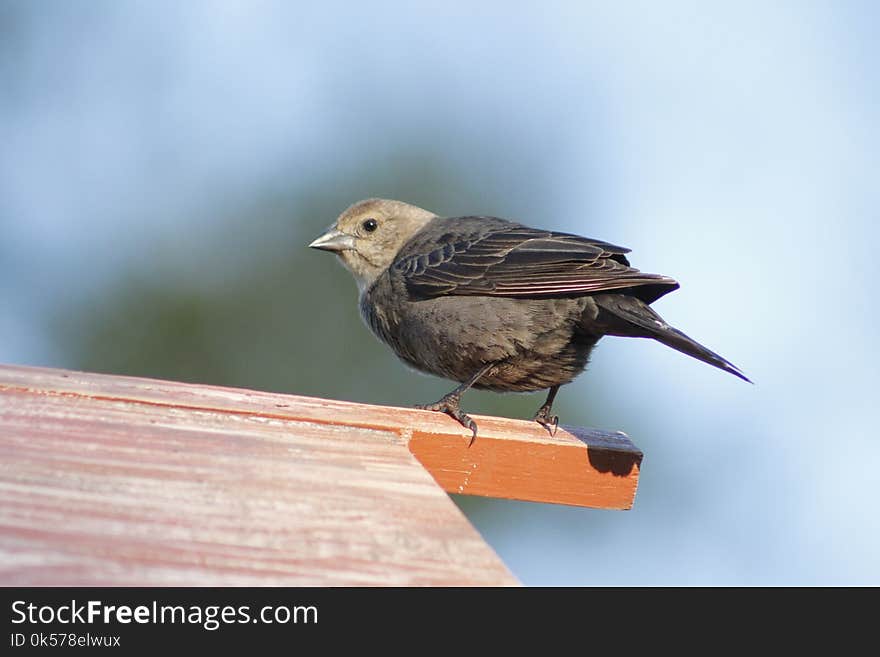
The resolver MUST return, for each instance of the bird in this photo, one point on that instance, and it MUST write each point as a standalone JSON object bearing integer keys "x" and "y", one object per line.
{"x": 494, "y": 304}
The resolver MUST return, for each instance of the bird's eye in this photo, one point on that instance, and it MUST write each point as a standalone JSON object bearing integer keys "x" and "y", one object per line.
{"x": 370, "y": 225}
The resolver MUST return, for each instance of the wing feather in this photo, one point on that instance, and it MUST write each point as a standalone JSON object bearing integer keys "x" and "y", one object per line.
{"x": 499, "y": 258}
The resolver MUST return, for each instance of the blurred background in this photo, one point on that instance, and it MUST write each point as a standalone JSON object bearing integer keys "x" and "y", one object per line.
{"x": 164, "y": 164}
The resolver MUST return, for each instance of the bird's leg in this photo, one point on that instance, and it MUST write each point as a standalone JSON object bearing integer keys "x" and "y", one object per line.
{"x": 543, "y": 417}
{"x": 449, "y": 403}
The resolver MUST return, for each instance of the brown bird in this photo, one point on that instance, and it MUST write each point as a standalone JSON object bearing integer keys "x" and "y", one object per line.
{"x": 493, "y": 304}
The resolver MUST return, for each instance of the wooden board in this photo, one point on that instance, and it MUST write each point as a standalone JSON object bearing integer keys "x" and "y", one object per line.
{"x": 121, "y": 481}
{"x": 510, "y": 459}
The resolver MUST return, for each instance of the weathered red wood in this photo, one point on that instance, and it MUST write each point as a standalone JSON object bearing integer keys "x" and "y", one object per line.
{"x": 511, "y": 458}
{"x": 109, "y": 481}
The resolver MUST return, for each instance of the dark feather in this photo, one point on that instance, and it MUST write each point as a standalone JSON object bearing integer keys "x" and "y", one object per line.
{"x": 486, "y": 256}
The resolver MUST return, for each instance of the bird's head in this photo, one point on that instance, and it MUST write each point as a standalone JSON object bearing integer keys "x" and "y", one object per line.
{"x": 369, "y": 234}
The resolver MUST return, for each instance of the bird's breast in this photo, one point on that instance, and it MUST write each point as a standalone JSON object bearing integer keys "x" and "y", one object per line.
{"x": 534, "y": 342}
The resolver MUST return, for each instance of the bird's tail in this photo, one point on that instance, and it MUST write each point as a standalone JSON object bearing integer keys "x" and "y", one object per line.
{"x": 625, "y": 315}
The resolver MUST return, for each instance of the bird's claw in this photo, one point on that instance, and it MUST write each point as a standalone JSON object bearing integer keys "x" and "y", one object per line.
{"x": 449, "y": 404}
{"x": 549, "y": 422}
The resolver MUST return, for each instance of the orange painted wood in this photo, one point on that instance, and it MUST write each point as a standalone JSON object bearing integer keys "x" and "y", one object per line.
{"x": 595, "y": 469}
{"x": 510, "y": 459}
{"x": 120, "y": 481}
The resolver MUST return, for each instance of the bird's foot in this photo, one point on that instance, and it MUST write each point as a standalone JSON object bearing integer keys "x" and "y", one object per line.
{"x": 549, "y": 422}
{"x": 449, "y": 404}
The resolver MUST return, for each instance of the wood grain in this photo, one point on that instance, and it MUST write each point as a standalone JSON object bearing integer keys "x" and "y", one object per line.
{"x": 510, "y": 459}
{"x": 119, "y": 481}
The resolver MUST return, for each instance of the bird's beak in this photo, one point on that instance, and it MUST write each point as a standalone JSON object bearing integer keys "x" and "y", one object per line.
{"x": 333, "y": 240}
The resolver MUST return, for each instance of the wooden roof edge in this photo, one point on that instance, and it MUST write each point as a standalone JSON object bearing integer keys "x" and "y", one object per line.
{"x": 512, "y": 459}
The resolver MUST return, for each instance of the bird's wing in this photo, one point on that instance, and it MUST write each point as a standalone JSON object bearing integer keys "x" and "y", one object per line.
{"x": 511, "y": 260}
